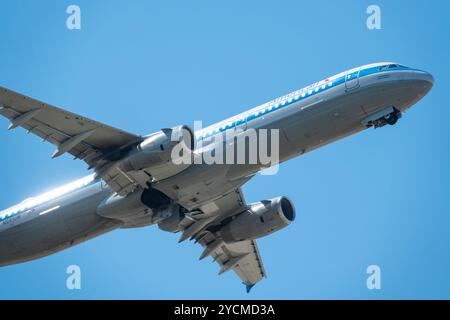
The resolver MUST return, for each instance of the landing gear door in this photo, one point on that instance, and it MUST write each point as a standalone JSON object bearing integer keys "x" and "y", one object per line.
{"x": 352, "y": 80}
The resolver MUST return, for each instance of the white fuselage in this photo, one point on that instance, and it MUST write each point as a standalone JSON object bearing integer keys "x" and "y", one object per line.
{"x": 307, "y": 119}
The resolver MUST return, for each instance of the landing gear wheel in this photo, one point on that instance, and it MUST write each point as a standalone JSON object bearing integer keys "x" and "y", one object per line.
{"x": 391, "y": 119}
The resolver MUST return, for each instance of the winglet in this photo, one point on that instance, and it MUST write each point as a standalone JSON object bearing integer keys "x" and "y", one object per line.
{"x": 248, "y": 287}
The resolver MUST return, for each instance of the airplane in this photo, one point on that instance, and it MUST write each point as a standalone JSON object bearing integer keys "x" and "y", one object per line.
{"x": 135, "y": 184}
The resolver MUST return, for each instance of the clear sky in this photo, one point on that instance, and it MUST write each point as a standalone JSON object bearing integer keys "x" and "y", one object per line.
{"x": 379, "y": 197}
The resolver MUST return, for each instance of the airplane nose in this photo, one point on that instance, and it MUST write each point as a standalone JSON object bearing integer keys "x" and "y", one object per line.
{"x": 424, "y": 80}
{"x": 429, "y": 78}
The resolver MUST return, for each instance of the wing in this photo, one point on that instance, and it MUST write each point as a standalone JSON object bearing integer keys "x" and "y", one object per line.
{"x": 85, "y": 139}
{"x": 94, "y": 143}
{"x": 243, "y": 257}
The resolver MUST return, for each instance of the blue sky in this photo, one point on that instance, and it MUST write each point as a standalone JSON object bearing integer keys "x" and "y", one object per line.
{"x": 379, "y": 197}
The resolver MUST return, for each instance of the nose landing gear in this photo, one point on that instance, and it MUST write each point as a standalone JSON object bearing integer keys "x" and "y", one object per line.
{"x": 386, "y": 116}
{"x": 392, "y": 118}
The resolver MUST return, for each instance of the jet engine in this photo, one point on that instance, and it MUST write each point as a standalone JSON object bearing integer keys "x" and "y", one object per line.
{"x": 141, "y": 208}
{"x": 262, "y": 218}
{"x": 157, "y": 154}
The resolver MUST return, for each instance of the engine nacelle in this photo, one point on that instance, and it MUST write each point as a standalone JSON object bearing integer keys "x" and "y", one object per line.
{"x": 126, "y": 208}
{"x": 141, "y": 208}
{"x": 263, "y": 218}
{"x": 154, "y": 154}
{"x": 172, "y": 222}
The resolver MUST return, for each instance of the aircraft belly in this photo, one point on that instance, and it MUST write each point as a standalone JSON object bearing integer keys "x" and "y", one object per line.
{"x": 75, "y": 221}
{"x": 202, "y": 183}
{"x": 303, "y": 128}
{"x": 32, "y": 236}
{"x": 308, "y": 128}
{"x": 331, "y": 120}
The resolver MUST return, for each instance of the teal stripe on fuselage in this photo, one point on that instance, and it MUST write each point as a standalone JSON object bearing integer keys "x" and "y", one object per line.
{"x": 272, "y": 108}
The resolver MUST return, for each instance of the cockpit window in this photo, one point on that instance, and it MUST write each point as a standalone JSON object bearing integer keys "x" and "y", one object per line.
{"x": 390, "y": 66}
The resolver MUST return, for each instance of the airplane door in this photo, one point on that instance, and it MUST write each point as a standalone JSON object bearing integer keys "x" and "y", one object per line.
{"x": 352, "y": 80}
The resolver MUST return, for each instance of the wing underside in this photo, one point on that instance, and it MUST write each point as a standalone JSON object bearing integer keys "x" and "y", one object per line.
{"x": 85, "y": 139}
{"x": 243, "y": 257}
{"x": 92, "y": 142}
